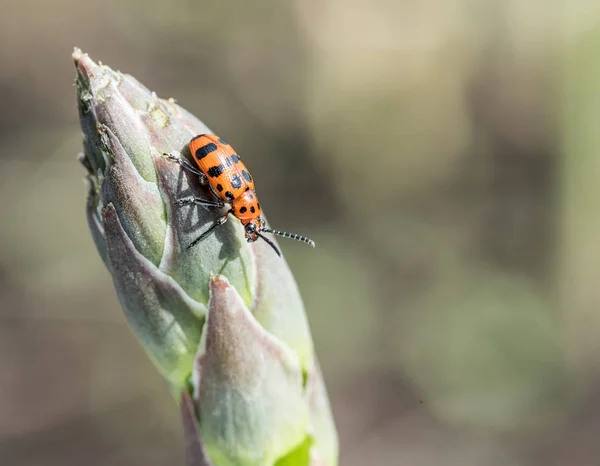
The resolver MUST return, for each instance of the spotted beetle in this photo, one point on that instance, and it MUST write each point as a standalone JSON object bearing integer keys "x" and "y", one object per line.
{"x": 220, "y": 167}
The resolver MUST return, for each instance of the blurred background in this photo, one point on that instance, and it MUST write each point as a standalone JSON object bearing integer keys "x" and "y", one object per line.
{"x": 443, "y": 155}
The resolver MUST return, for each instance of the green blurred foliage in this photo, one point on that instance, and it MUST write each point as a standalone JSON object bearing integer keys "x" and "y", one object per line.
{"x": 441, "y": 154}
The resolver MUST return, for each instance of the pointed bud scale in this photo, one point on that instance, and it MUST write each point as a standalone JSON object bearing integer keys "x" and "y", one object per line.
{"x": 241, "y": 338}
{"x": 250, "y": 396}
{"x": 158, "y": 310}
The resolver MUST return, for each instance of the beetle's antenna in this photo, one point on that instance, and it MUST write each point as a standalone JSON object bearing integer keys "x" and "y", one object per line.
{"x": 285, "y": 234}
{"x": 270, "y": 243}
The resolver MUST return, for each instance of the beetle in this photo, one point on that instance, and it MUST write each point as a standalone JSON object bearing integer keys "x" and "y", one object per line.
{"x": 220, "y": 168}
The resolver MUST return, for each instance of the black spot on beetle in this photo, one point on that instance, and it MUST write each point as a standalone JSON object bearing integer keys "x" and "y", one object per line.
{"x": 252, "y": 209}
{"x": 196, "y": 137}
{"x": 243, "y": 210}
{"x": 258, "y": 205}
{"x": 229, "y": 195}
{"x": 228, "y": 163}
{"x": 219, "y": 187}
{"x": 236, "y": 182}
{"x": 235, "y": 158}
{"x": 215, "y": 171}
{"x": 203, "y": 151}
{"x": 223, "y": 142}
{"x": 246, "y": 175}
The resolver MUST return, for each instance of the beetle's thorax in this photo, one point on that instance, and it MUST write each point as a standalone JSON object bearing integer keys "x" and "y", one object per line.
{"x": 246, "y": 207}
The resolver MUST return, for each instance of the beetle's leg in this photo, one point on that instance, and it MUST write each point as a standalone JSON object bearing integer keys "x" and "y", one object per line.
{"x": 198, "y": 201}
{"x": 220, "y": 221}
{"x": 176, "y": 158}
{"x": 203, "y": 179}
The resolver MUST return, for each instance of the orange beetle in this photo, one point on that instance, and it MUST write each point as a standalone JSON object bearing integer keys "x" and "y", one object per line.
{"x": 221, "y": 168}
